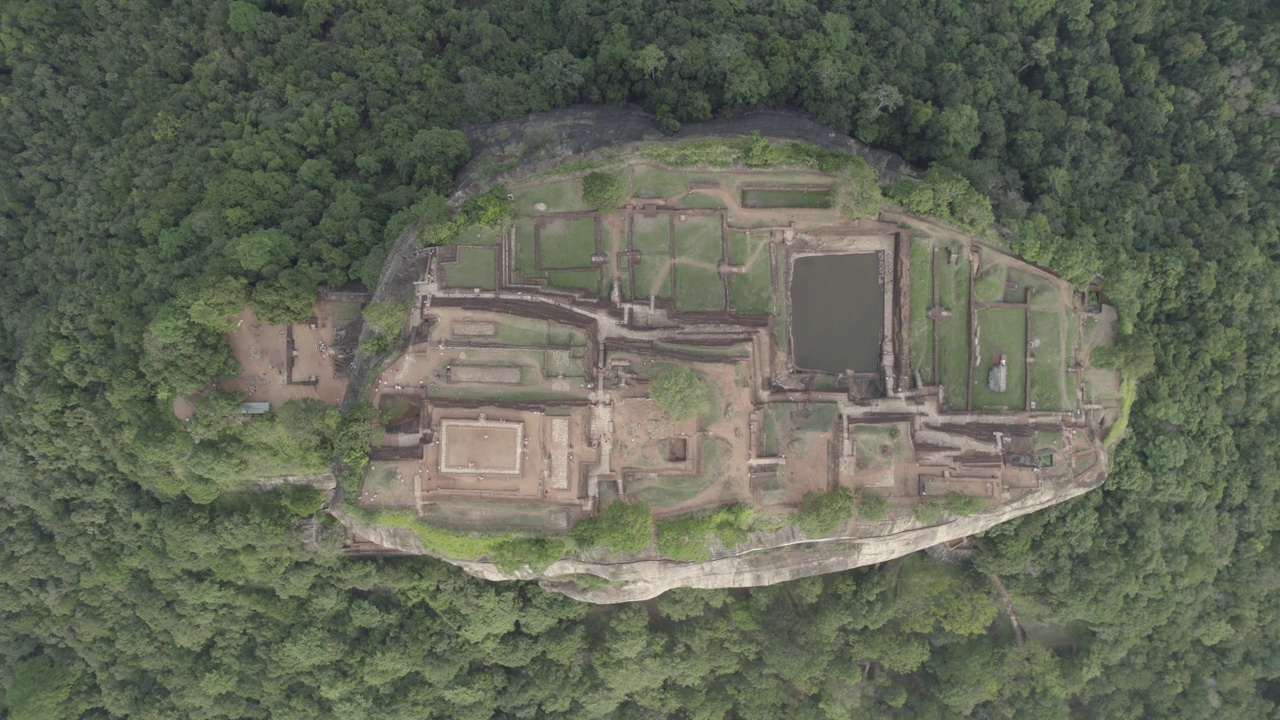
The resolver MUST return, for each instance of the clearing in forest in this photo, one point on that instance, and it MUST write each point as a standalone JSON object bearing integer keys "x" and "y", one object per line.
{"x": 527, "y": 399}
{"x": 279, "y": 363}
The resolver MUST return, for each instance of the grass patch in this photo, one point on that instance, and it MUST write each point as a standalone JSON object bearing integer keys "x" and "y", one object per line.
{"x": 587, "y": 281}
{"x": 826, "y": 383}
{"x": 1049, "y": 441}
{"x": 478, "y": 236}
{"x": 650, "y": 182}
{"x": 752, "y": 291}
{"x": 1046, "y": 296}
{"x": 741, "y": 350}
{"x": 443, "y": 541}
{"x": 716, "y": 152}
{"x": 587, "y": 581}
{"x": 921, "y": 336}
{"x": 698, "y": 237}
{"x": 770, "y": 435}
{"x": 781, "y": 337}
{"x": 511, "y": 330}
{"x": 772, "y": 492}
{"x": 1128, "y": 393}
{"x": 1049, "y": 372}
{"x": 953, "y": 334}
{"x": 568, "y": 243}
{"x": 651, "y": 235}
{"x": 963, "y": 505}
{"x": 698, "y": 288}
{"x": 561, "y": 334}
{"x": 509, "y": 516}
{"x": 560, "y": 362}
{"x": 713, "y": 412}
{"x": 652, "y": 277}
{"x": 820, "y": 418}
{"x": 740, "y": 247}
{"x": 928, "y": 512}
{"x": 345, "y": 313}
{"x": 879, "y": 445}
{"x": 700, "y": 201}
{"x": 558, "y": 196}
{"x": 474, "y": 269}
{"x": 989, "y": 286}
{"x": 1001, "y": 330}
{"x": 784, "y": 421}
{"x": 668, "y": 490}
{"x": 671, "y": 490}
{"x": 526, "y": 253}
{"x": 383, "y": 480}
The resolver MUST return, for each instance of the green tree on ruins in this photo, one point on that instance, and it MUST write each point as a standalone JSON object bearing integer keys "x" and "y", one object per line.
{"x": 385, "y": 320}
{"x": 872, "y": 508}
{"x": 679, "y": 392}
{"x": 961, "y": 504}
{"x": 603, "y": 191}
{"x": 622, "y": 526}
{"x": 821, "y": 513}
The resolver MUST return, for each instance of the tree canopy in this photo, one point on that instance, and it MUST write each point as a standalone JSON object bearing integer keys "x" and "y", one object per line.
{"x": 166, "y": 164}
{"x": 679, "y": 392}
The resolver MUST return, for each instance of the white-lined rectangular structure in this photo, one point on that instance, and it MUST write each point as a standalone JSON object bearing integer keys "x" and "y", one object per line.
{"x": 481, "y": 447}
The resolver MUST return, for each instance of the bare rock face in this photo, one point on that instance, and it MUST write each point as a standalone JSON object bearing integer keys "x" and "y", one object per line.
{"x": 540, "y": 141}
{"x": 765, "y": 559}
{"x": 378, "y": 539}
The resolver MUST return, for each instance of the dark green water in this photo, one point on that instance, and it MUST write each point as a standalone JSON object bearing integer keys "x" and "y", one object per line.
{"x": 837, "y": 312}
{"x": 782, "y": 198}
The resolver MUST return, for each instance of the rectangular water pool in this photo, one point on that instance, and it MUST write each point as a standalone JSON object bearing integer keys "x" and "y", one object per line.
{"x": 781, "y": 197}
{"x": 837, "y": 312}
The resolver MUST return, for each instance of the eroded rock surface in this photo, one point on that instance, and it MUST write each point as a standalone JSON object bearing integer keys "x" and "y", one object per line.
{"x": 766, "y": 558}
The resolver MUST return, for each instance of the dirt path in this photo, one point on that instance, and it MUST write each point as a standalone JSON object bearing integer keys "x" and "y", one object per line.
{"x": 934, "y": 229}
{"x": 755, "y": 255}
{"x": 612, "y": 226}
{"x": 734, "y": 207}
{"x": 661, "y": 278}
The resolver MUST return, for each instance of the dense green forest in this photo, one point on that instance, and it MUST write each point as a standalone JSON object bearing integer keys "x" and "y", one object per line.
{"x": 161, "y": 162}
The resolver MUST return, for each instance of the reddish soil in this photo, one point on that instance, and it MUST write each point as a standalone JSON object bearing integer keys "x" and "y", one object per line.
{"x": 806, "y": 467}
{"x": 260, "y": 350}
{"x": 531, "y": 484}
{"x": 641, "y": 429}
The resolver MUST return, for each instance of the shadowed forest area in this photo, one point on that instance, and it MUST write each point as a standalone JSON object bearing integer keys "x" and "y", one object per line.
{"x": 162, "y": 165}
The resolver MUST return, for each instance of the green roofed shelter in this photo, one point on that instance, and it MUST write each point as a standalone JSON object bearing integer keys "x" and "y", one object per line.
{"x": 255, "y": 408}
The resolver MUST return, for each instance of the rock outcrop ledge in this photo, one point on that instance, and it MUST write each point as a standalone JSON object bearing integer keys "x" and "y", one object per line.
{"x": 765, "y": 559}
